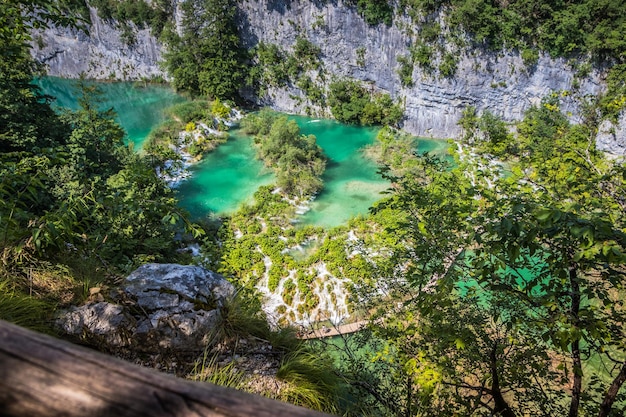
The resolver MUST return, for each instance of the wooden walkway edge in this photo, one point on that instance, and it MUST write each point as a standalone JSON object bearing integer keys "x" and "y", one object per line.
{"x": 44, "y": 376}
{"x": 320, "y": 333}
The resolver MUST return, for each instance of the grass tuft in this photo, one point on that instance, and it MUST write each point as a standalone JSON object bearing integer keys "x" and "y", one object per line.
{"x": 209, "y": 370}
{"x": 24, "y": 310}
{"x": 312, "y": 382}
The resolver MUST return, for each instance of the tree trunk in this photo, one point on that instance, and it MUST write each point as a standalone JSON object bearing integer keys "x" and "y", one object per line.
{"x": 501, "y": 407}
{"x": 609, "y": 398}
{"x": 578, "y": 369}
{"x": 45, "y": 377}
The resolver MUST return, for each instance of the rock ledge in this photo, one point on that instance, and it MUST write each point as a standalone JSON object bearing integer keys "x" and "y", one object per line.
{"x": 158, "y": 306}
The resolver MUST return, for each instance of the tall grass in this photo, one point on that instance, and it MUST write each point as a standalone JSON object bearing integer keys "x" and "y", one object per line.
{"x": 306, "y": 377}
{"x": 209, "y": 370}
{"x": 311, "y": 380}
{"x": 24, "y": 310}
{"x": 240, "y": 316}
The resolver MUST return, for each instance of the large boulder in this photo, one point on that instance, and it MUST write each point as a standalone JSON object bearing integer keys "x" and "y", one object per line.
{"x": 158, "y": 306}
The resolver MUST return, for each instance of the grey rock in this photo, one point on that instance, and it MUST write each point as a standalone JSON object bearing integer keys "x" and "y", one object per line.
{"x": 185, "y": 281}
{"x": 103, "y": 321}
{"x": 100, "y": 54}
{"x": 612, "y": 136}
{"x": 159, "y": 306}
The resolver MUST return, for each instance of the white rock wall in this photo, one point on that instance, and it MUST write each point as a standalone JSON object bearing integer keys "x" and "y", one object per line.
{"x": 101, "y": 54}
{"x": 500, "y": 83}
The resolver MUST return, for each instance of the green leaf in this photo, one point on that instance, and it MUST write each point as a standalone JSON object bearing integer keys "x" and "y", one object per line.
{"x": 543, "y": 215}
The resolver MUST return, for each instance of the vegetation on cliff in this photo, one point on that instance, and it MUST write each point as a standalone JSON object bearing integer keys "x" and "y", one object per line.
{"x": 350, "y": 102}
{"x": 207, "y": 58}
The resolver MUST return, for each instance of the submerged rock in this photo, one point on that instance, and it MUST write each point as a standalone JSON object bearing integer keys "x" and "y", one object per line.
{"x": 158, "y": 306}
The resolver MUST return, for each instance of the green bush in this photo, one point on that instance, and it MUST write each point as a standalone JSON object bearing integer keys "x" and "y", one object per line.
{"x": 272, "y": 64}
{"x": 422, "y": 54}
{"x": 405, "y": 71}
{"x": 530, "y": 56}
{"x": 190, "y": 111}
{"x": 375, "y": 11}
{"x": 306, "y": 53}
{"x": 447, "y": 67}
{"x": 352, "y": 103}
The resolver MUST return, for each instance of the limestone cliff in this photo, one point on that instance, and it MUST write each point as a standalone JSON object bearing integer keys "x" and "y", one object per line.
{"x": 499, "y": 82}
{"x": 100, "y": 54}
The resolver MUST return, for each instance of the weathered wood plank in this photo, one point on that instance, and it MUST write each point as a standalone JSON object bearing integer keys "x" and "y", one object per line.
{"x": 44, "y": 376}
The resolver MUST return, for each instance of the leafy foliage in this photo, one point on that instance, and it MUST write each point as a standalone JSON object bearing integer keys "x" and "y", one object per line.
{"x": 614, "y": 101}
{"x": 277, "y": 67}
{"x": 297, "y": 160}
{"x": 155, "y": 14}
{"x": 71, "y": 192}
{"x": 375, "y": 11}
{"x": 208, "y": 58}
{"x": 506, "y": 282}
{"x": 405, "y": 71}
{"x": 560, "y": 28}
{"x": 351, "y": 103}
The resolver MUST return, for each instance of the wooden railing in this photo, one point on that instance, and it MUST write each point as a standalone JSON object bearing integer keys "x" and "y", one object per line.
{"x": 44, "y": 376}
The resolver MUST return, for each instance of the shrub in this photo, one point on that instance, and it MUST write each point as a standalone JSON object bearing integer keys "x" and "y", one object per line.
{"x": 405, "y": 71}
{"x": 352, "y": 103}
{"x": 530, "y": 56}
{"x": 447, "y": 67}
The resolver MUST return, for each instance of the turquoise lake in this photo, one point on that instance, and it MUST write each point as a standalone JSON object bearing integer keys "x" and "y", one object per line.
{"x": 230, "y": 175}
{"x": 139, "y": 107}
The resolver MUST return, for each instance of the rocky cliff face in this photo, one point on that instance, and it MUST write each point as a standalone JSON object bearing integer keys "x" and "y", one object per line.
{"x": 100, "y": 54}
{"x": 499, "y": 82}
{"x": 612, "y": 137}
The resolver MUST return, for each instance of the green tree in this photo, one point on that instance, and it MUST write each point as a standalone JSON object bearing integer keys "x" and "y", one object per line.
{"x": 504, "y": 276}
{"x": 351, "y": 103}
{"x": 207, "y": 58}
{"x": 296, "y": 159}
{"x": 27, "y": 123}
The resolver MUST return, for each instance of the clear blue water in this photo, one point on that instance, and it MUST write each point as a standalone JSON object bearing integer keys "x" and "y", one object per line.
{"x": 224, "y": 179}
{"x": 351, "y": 181}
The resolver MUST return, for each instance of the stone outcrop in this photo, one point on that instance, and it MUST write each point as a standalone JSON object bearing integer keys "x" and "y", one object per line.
{"x": 158, "y": 306}
{"x": 498, "y": 82}
{"x": 612, "y": 136}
